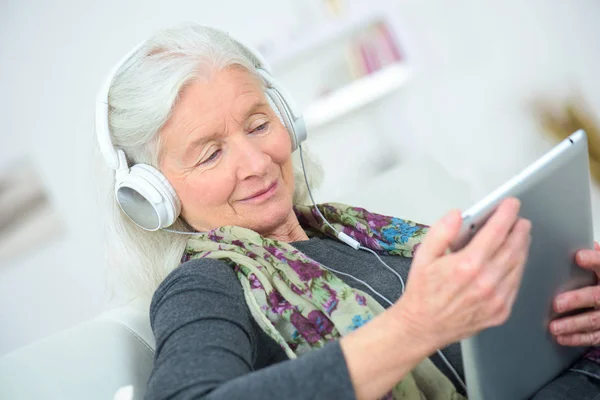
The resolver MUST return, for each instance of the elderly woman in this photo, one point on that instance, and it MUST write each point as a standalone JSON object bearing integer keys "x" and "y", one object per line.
{"x": 268, "y": 298}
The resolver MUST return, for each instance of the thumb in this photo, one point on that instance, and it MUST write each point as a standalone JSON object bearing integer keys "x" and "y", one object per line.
{"x": 439, "y": 238}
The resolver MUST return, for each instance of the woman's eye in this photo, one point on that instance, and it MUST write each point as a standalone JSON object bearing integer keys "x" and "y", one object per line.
{"x": 212, "y": 157}
{"x": 260, "y": 128}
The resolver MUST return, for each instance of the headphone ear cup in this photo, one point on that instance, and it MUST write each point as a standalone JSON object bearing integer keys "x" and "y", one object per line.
{"x": 300, "y": 130}
{"x": 147, "y": 197}
{"x": 275, "y": 108}
{"x": 283, "y": 113}
{"x": 295, "y": 117}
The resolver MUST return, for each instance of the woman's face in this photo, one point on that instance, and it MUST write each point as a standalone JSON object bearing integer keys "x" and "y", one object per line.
{"x": 228, "y": 156}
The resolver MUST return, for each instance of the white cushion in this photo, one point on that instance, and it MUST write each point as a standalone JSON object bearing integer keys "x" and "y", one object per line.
{"x": 419, "y": 189}
{"x": 90, "y": 361}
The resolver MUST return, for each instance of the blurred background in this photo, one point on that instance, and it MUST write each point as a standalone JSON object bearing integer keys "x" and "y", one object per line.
{"x": 445, "y": 99}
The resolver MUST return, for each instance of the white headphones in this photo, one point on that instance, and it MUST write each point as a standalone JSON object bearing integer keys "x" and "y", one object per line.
{"x": 144, "y": 193}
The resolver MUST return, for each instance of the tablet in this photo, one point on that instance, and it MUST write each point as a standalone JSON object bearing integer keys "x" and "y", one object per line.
{"x": 516, "y": 359}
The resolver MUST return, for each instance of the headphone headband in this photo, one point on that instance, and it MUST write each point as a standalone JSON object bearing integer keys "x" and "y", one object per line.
{"x": 107, "y": 148}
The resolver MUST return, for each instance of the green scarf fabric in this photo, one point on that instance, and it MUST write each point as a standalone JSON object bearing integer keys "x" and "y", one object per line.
{"x": 300, "y": 304}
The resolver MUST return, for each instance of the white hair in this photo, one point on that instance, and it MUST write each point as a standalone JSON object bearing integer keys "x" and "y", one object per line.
{"x": 141, "y": 98}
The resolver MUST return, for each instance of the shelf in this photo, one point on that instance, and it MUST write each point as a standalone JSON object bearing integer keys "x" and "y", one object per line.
{"x": 288, "y": 52}
{"x": 356, "y": 94}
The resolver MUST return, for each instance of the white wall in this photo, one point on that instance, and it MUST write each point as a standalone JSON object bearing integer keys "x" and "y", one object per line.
{"x": 469, "y": 103}
{"x": 477, "y": 66}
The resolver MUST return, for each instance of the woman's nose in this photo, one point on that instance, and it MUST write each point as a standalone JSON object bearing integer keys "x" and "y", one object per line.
{"x": 251, "y": 160}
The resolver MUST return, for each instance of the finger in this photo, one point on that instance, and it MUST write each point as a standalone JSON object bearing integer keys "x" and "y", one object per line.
{"x": 586, "y": 322}
{"x": 588, "y": 259}
{"x": 507, "y": 292}
{"x": 580, "y": 339}
{"x": 493, "y": 233}
{"x": 508, "y": 287}
{"x": 596, "y": 246}
{"x": 513, "y": 253}
{"x": 577, "y": 299}
{"x": 438, "y": 239}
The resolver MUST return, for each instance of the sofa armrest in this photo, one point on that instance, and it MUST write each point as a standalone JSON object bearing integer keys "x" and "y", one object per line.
{"x": 89, "y": 361}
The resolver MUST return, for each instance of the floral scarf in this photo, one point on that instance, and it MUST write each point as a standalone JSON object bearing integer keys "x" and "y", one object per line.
{"x": 300, "y": 304}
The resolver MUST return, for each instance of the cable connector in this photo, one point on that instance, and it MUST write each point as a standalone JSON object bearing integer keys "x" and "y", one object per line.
{"x": 348, "y": 240}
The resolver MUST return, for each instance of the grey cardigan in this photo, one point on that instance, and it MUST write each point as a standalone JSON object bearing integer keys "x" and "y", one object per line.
{"x": 209, "y": 346}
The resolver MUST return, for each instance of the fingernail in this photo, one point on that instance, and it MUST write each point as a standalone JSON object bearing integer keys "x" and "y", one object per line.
{"x": 557, "y": 328}
{"x": 516, "y": 203}
{"x": 449, "y": 217}
{"x": 584, "y": 257}
{"x": 560, "y": 304}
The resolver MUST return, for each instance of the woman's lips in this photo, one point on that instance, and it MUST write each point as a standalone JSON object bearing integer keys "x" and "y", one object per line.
{"x": 261, "y": 196}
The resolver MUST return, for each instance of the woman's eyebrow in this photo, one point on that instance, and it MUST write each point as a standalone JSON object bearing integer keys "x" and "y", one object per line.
{"x": 255, "y": 107}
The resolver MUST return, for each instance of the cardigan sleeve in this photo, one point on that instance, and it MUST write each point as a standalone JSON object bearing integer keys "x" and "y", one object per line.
{"x": 207, "y": 345}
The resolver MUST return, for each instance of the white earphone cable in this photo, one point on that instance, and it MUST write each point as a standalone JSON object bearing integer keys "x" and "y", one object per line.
{"x": 181, "y": 232}
{"x": 310, "y": 193}
{"x": 357, "y": 246}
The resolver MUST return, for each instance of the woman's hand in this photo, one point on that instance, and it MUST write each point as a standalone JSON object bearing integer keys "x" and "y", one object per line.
{"x": 582, "y": 329}
{"x": 452, "y": 296}
{"x": 448, "y": 297}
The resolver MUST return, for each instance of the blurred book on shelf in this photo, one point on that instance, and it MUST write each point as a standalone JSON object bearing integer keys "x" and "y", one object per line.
{"x": 371, "y": 50}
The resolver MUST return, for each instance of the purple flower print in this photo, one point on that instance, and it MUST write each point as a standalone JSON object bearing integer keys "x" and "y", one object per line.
{"x": 321, "y": 322}
{"x": 315, "y": 214}
{"x": 305, "y": 327}
{"x": 306, "y": 270}
{"x": 186, "y": 257}
{"x": 359, "y": 229}
{"x": 301, "y": 217}
{"x": 278, "y": 253}
{"x": 296, "y": 289}
{"x": 364, "y": 239}
{"x": 238, "y": 243}
{"x": 328, "y": 210}
{"x": 293, "y": 346}
{"x": 212, "y": 235}
{"x": 278, "y": 304}
{"x": 254, "y": 282}
{"x": 376, "y": 221}
{"x": 361, "y": 300}
{"x": 332, "y": 302}
{"x": 304, "y": 219}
